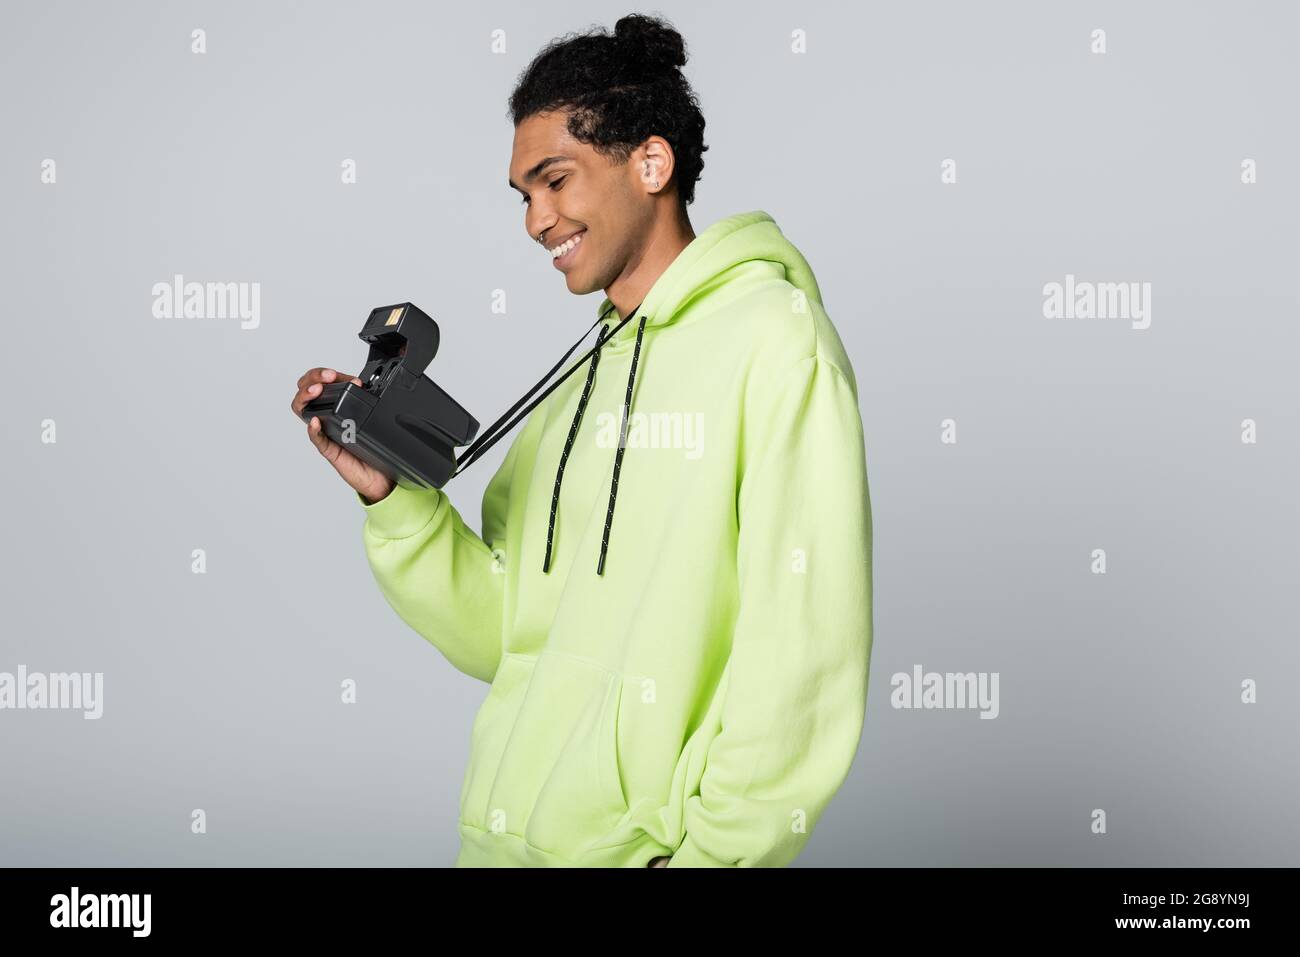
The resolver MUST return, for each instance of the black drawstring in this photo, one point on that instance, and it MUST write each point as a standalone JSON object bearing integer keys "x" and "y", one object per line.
{"x": 500, "y": 427}
{"x": 573, "y": 432}
{"x": 622, "y": 441}
{"x": 568, "y": 446}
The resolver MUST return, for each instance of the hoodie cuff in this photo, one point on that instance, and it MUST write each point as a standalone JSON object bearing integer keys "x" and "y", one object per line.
{"x": 690, "y": 855}
{"x": 402, "y": 512}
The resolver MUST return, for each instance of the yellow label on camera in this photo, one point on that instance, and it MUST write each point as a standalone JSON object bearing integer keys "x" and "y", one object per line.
{"x": 394, "y": 316}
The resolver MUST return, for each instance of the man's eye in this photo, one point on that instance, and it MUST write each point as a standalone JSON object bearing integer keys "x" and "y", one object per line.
{"x": 554, "y": 184}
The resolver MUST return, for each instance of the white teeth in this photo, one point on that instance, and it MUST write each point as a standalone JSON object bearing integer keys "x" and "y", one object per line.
{"x": 565, "y": 246}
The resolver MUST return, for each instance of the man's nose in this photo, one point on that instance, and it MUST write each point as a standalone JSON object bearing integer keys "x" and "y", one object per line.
{"x": 537, "y": 225}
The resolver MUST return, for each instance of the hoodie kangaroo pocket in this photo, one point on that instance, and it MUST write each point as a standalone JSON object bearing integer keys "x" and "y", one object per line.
{"x": 545, "y": 765}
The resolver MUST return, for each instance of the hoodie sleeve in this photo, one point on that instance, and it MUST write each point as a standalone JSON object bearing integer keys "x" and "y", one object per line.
{"x": 795, "y": 685}
{"x": 440, "y": 577}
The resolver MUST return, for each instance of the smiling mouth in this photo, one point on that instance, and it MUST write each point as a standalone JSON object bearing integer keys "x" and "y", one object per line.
{"x": 564, "y": 254}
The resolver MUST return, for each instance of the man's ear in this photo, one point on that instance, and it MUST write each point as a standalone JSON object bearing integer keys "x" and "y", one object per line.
{"x": 655, "y": 162}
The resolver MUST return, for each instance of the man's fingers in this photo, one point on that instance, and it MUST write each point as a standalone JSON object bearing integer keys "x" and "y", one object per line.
{"x": 304, "y": 393}
{"x": 324, "y": 444}
{"x": 312, "y": 384}
{"x": 302, "y": 397}
{"x": 318, "y": 374}
{"x": 317, "y": 436}
{"x": 311, "y": 375}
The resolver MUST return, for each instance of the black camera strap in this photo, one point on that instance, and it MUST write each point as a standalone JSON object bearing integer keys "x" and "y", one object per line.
{"x": 495, "y": 431}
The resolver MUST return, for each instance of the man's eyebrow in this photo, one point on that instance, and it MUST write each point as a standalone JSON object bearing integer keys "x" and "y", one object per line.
{"x": 536, "y": 171}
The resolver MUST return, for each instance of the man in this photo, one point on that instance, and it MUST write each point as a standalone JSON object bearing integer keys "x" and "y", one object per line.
{"x": 671, "y": 594}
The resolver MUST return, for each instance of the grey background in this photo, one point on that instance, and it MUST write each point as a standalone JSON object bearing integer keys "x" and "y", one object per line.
{"x": 222, "y": 690}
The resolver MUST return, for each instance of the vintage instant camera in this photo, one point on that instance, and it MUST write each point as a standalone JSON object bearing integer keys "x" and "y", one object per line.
{"x": 398, "y": 420}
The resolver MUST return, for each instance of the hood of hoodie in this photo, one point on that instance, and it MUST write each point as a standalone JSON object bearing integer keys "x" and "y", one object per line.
{"x": 707, "y": 264}
{"x": 702, "y": 267}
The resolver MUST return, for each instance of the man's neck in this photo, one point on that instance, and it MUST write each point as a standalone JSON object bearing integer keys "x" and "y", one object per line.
{"x": 666, "y": 241}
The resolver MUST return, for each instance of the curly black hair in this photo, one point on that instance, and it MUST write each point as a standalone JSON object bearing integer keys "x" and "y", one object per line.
{"x": 622, "y": 89}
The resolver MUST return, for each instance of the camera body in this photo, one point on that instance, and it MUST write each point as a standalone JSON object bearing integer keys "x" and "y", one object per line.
{"x": 397, "y": 420}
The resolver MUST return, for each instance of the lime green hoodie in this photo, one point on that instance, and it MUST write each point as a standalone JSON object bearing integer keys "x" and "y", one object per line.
{"x": 702, "y": 693}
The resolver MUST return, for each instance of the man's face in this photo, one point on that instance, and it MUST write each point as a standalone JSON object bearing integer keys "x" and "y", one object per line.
{"x": 578, "y": 194}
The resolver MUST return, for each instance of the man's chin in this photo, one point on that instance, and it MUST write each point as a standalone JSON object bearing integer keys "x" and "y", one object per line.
{"x": 579, "y": 286}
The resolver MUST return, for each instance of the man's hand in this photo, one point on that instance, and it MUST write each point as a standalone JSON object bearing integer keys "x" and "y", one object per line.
{"x": 369, "y": 481}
